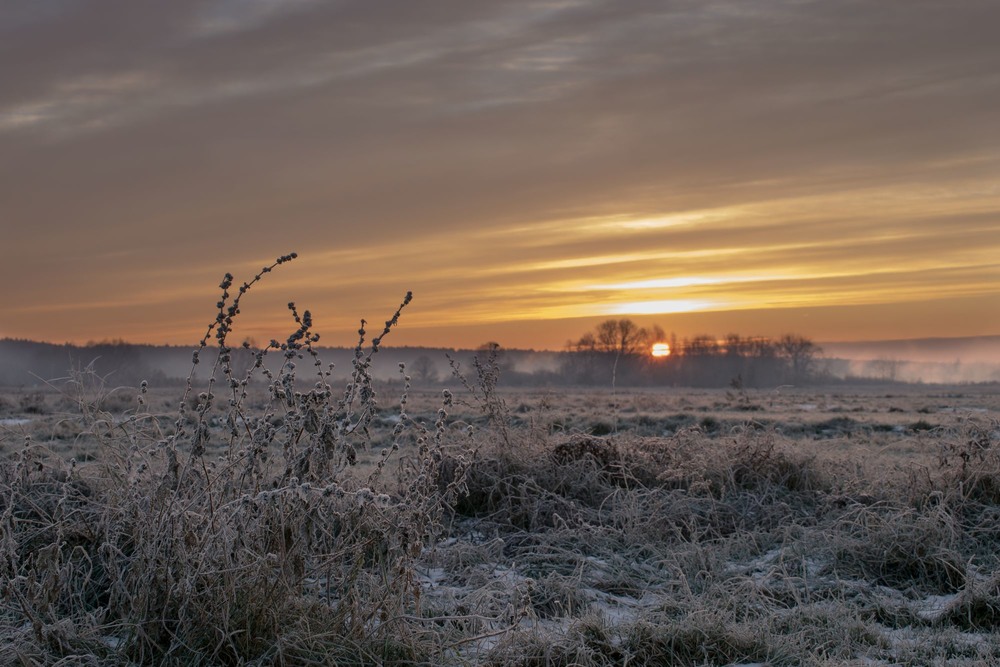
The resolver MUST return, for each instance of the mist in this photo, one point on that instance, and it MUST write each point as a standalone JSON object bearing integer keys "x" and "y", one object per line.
{"x": 927, "y": 360}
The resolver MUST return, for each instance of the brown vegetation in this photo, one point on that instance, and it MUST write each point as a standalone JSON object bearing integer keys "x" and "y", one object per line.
{"x": 291, "y": 523}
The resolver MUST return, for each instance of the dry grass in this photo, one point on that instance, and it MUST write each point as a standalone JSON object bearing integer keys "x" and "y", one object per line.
{"x": 281, "y": 521}
{"x": 237, "y": 531}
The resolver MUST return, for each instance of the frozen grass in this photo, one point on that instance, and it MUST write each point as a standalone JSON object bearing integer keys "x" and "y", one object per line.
{"x": 292, "y": 523}
{"x": 736, "y": 550}
{"x": 225, "y": 535}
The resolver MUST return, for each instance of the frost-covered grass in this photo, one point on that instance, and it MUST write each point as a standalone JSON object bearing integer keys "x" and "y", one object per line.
{"x": 306, "y": 515}
{"x": 737, "y": 549}
{"x": 749, "y": 544}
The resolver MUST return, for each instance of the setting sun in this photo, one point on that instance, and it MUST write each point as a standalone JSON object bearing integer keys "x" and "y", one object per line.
{"x": 660, "y": 350}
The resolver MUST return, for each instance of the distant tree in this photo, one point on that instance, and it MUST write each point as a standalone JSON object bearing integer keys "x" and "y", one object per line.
{"x": 586, "y": 343}
{"x": 584, "y": 365}
{"x": 799, "y": 352}
{"x": 244, "y": 357}
{"x": 423, "y": 370}
{"x": 623, "y": 337}
{"x": 760, "y": 363}
{"x": 701, "y": 346}
{"x": 115, "y": 358}
{"x": 886, "y": 369}
{"x": 614, "y": 349}
{"x": 497, "y": 355}
{"x": 620, "y": 349}
{"x": 657, "y": 334}
{"x": 735, "y": 346}
{"x": 760, "y": 348}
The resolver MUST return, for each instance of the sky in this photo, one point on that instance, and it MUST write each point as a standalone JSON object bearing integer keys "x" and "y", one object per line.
{"x": 526, "y": 168}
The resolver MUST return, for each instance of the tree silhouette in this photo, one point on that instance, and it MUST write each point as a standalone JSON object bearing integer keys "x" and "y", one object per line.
{"x": 423, "y": 370}
{"x": 622, "y": 337}
{"x": 800, "y": 353}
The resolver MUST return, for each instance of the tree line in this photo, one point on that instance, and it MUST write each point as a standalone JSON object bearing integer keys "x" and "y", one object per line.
{"x": 621, "y": 350}
{"x": 614, "y": 351}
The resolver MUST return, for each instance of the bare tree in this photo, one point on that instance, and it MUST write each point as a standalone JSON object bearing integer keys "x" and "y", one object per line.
{"x": 424, "y": 371}
{"x": 585, "y": 343}
{"x": 702, "y": 345}
{"x": 622, "y": 337}
{"x": 612, "y": 345}
{"x": 800, "y": 353}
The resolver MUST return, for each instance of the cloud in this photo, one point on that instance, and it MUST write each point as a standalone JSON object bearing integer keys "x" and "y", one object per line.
{"x": 502, "y": 159}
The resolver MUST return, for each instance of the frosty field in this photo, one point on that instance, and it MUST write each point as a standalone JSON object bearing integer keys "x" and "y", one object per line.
{"x": 837, "y": 525}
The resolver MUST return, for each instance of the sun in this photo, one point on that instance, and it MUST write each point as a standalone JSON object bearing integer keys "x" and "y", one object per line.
{"x": 660, "y": 350}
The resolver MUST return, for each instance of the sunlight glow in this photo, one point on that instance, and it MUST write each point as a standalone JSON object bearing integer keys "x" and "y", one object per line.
{"x": 660, "y": 350}
{"x": 659, "y": 283}
{"x": 659, "y": 307}
{"x": 680, "y": 219}
{"x": 691, "y": 281}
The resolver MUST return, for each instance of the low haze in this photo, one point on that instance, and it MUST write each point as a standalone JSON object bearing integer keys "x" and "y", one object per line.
{"x": 525, "y": 168}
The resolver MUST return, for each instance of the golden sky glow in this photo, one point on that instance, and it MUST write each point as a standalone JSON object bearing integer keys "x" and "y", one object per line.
{"x": 526, "y": 168}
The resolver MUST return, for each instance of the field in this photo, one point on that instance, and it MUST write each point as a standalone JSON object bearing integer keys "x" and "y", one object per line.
{"x": 481, "y": 526}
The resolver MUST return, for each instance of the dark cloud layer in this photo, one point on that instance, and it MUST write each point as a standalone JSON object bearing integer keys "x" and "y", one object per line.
{"x": 505, "y": 160}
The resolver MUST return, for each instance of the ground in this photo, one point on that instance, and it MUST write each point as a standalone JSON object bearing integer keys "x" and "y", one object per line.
{"x": 817, "y": 525}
